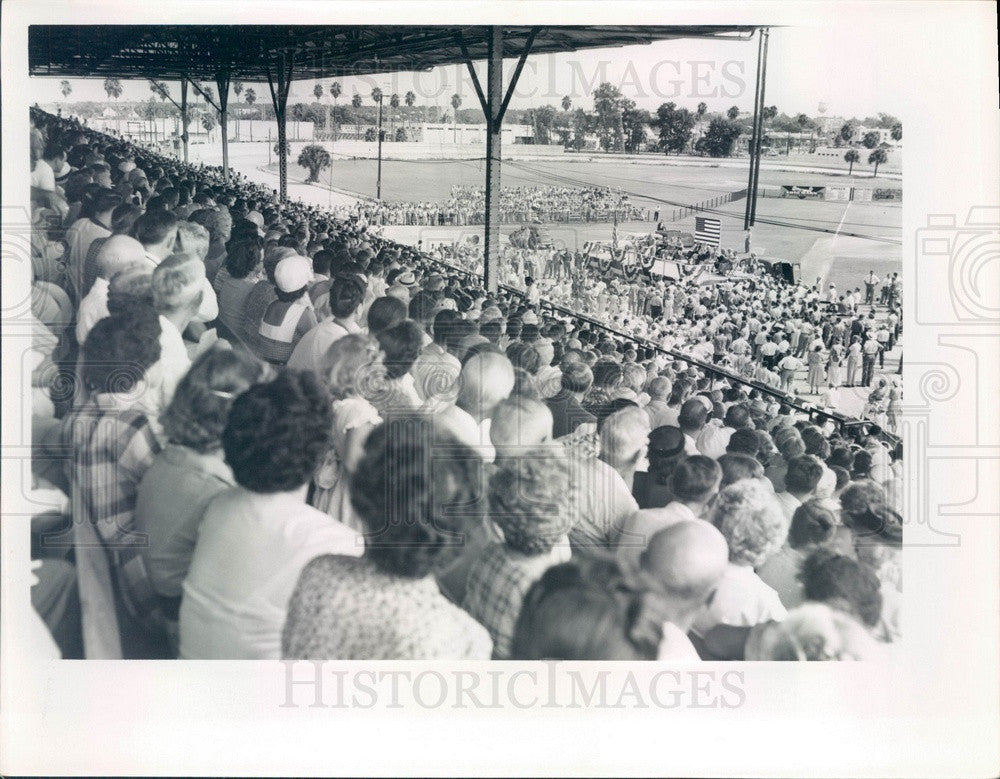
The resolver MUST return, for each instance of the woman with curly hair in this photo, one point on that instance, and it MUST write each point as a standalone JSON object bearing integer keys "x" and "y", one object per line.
{"x": 527, "y": 502}
{"x": 414, "y": 489}
{"x": 755, "y": 527}
{"x": 255, "y": 538}
{"x": 349, "y": 363}
{"x": 190, "y": 471}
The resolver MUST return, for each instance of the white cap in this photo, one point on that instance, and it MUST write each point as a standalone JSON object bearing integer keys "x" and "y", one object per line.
{"x": 293, "y": 273}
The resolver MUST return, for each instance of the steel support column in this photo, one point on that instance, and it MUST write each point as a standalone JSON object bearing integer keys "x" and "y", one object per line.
{"x": 184, "y": 117}
{"x": 760, "y": 134}
{"x": 279, "y": 83}
{"x": 754, "y": 138}
{"x": 494, "y": 96}
{"x": 222, "y": 82}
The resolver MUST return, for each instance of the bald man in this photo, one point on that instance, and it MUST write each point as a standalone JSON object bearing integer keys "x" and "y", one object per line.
{"x": 519, "y": 423}
{"x": 485, "y": 381}
{"x": 660, "y": 413}
{"x": 118, "y": 253}
{"x": 685, "y": 562}
{"x": 624, "y": 438}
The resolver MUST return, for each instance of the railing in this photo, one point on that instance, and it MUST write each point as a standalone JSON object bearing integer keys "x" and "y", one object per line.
{"x": 720, "y": 200}
{"x": 554, "y": 216}
{"x": 842, "y": 421}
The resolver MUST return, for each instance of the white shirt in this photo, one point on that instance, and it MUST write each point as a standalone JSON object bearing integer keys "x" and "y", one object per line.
{"x": 742, "y": 600}
{"x": 93, "y": 308}
{"x": 646, "y": 523}
{"x": 675, "y": 646}
{"x": 251, "y": 549}
{"x": 312, "y": 346}
{"x": 43, "y": 177}
{"x": 174, "y": 361}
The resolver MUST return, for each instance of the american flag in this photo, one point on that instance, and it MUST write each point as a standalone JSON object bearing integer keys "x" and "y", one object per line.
{"x": 707, "y": 230}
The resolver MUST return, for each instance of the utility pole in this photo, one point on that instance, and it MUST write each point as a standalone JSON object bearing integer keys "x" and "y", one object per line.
{"x": 378, "y": 180}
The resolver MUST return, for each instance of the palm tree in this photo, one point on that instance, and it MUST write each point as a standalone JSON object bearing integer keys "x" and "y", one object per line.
{"x": 335, "y": 93}
{"x": 393, "y": 105}
{"x": 802, "y": 121}
{"x": 877, "y": 157}
{"x": 377, "y": 100}
{"x": 251, "y": 98}
{"x": 733, "y": 112}
{"x": 851, "y": 157}
{"x": 356, "y": 103}
{"x": 567, "y": 103}
{"x": 410, "y": 99}
{"x": 896, "y": 133}
{"x": 113, "y": 88}
{"x": 237, "y": 90}
{"x": 208, "y": 122}
{"x": 65, "y": 87}
{"x": 456, "y": 101}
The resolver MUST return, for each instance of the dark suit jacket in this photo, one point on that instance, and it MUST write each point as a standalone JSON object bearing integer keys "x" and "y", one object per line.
{"x": 567, "y": 414}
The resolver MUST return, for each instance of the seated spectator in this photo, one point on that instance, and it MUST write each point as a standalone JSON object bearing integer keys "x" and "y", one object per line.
{"x": 177, "y": 292}
{"x": 665, "y": 450}
{"x": 527, "y": 501}
{"x": 693, "y": 484}
{"x": 812, "y": 528}
{"x": 686, "y": 561}
{"x": 801, "y": 479}
{"x": 844, "y": 584}
{"x": 384, "y": 313}
{"x": 113, "y": 444}
{"x": 400, "y": 346}
{"x": 347, "y": 367}
{"x": 118, "y": 253}
{"x": 740, "y": 466}
{"x": 289, "y": 317}
{"x": 386, "y": 605}
{"x": 623, "y": 439}
{"x": 190, "y": 471}
{"x": 813, "y": 631}
{"x": 754, "y": 526}
{"x": 586, "y": 610}
{"x": 234, "y": 282}
{"x": 347, "y": 294}
{"x": 255, "y": 538}
{"x": 567, "y": 411}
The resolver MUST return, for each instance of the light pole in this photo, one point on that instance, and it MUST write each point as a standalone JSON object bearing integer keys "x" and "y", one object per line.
{"x": 378, "y": 179}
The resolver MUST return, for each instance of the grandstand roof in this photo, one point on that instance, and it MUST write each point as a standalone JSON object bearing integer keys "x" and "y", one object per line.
{"x": 248, "y": 51}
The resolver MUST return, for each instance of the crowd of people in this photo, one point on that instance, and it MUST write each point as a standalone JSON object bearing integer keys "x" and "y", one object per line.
{"x": 792, "y": 337}
{"x": 517, "y": 205}
{"x": 265, "y": 433}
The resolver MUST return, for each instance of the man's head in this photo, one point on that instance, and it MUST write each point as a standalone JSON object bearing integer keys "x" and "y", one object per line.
{"x": 118, "y": 253}
{"x": 157, "y": 232}
{"x": 177, "y": 288}
{"x": 576, "y": 378}
{"x": 692, "y": 416}
{"x": 804, "y": 473}
{"x": 517, "y": 423}
{"x": 347, "y": 293}
{"x": 486, "y": 379}
{"x": 624, "y": 437}
{"x": 686, "y": 561}
{"x": 695, "y": 479}
{"x": 659, "y": 388}
{"x": 192, "y": 239}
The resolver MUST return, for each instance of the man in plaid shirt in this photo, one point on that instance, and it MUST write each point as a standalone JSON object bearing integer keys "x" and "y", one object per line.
{"x": 527, "y": 503}
{"x": 112, "y": 445}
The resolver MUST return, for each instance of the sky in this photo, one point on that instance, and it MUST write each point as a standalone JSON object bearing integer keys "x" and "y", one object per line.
{"x": 807, "y": 67}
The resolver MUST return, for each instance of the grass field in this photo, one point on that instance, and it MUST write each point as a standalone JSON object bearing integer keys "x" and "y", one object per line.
{"x": 821, "y": 235}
